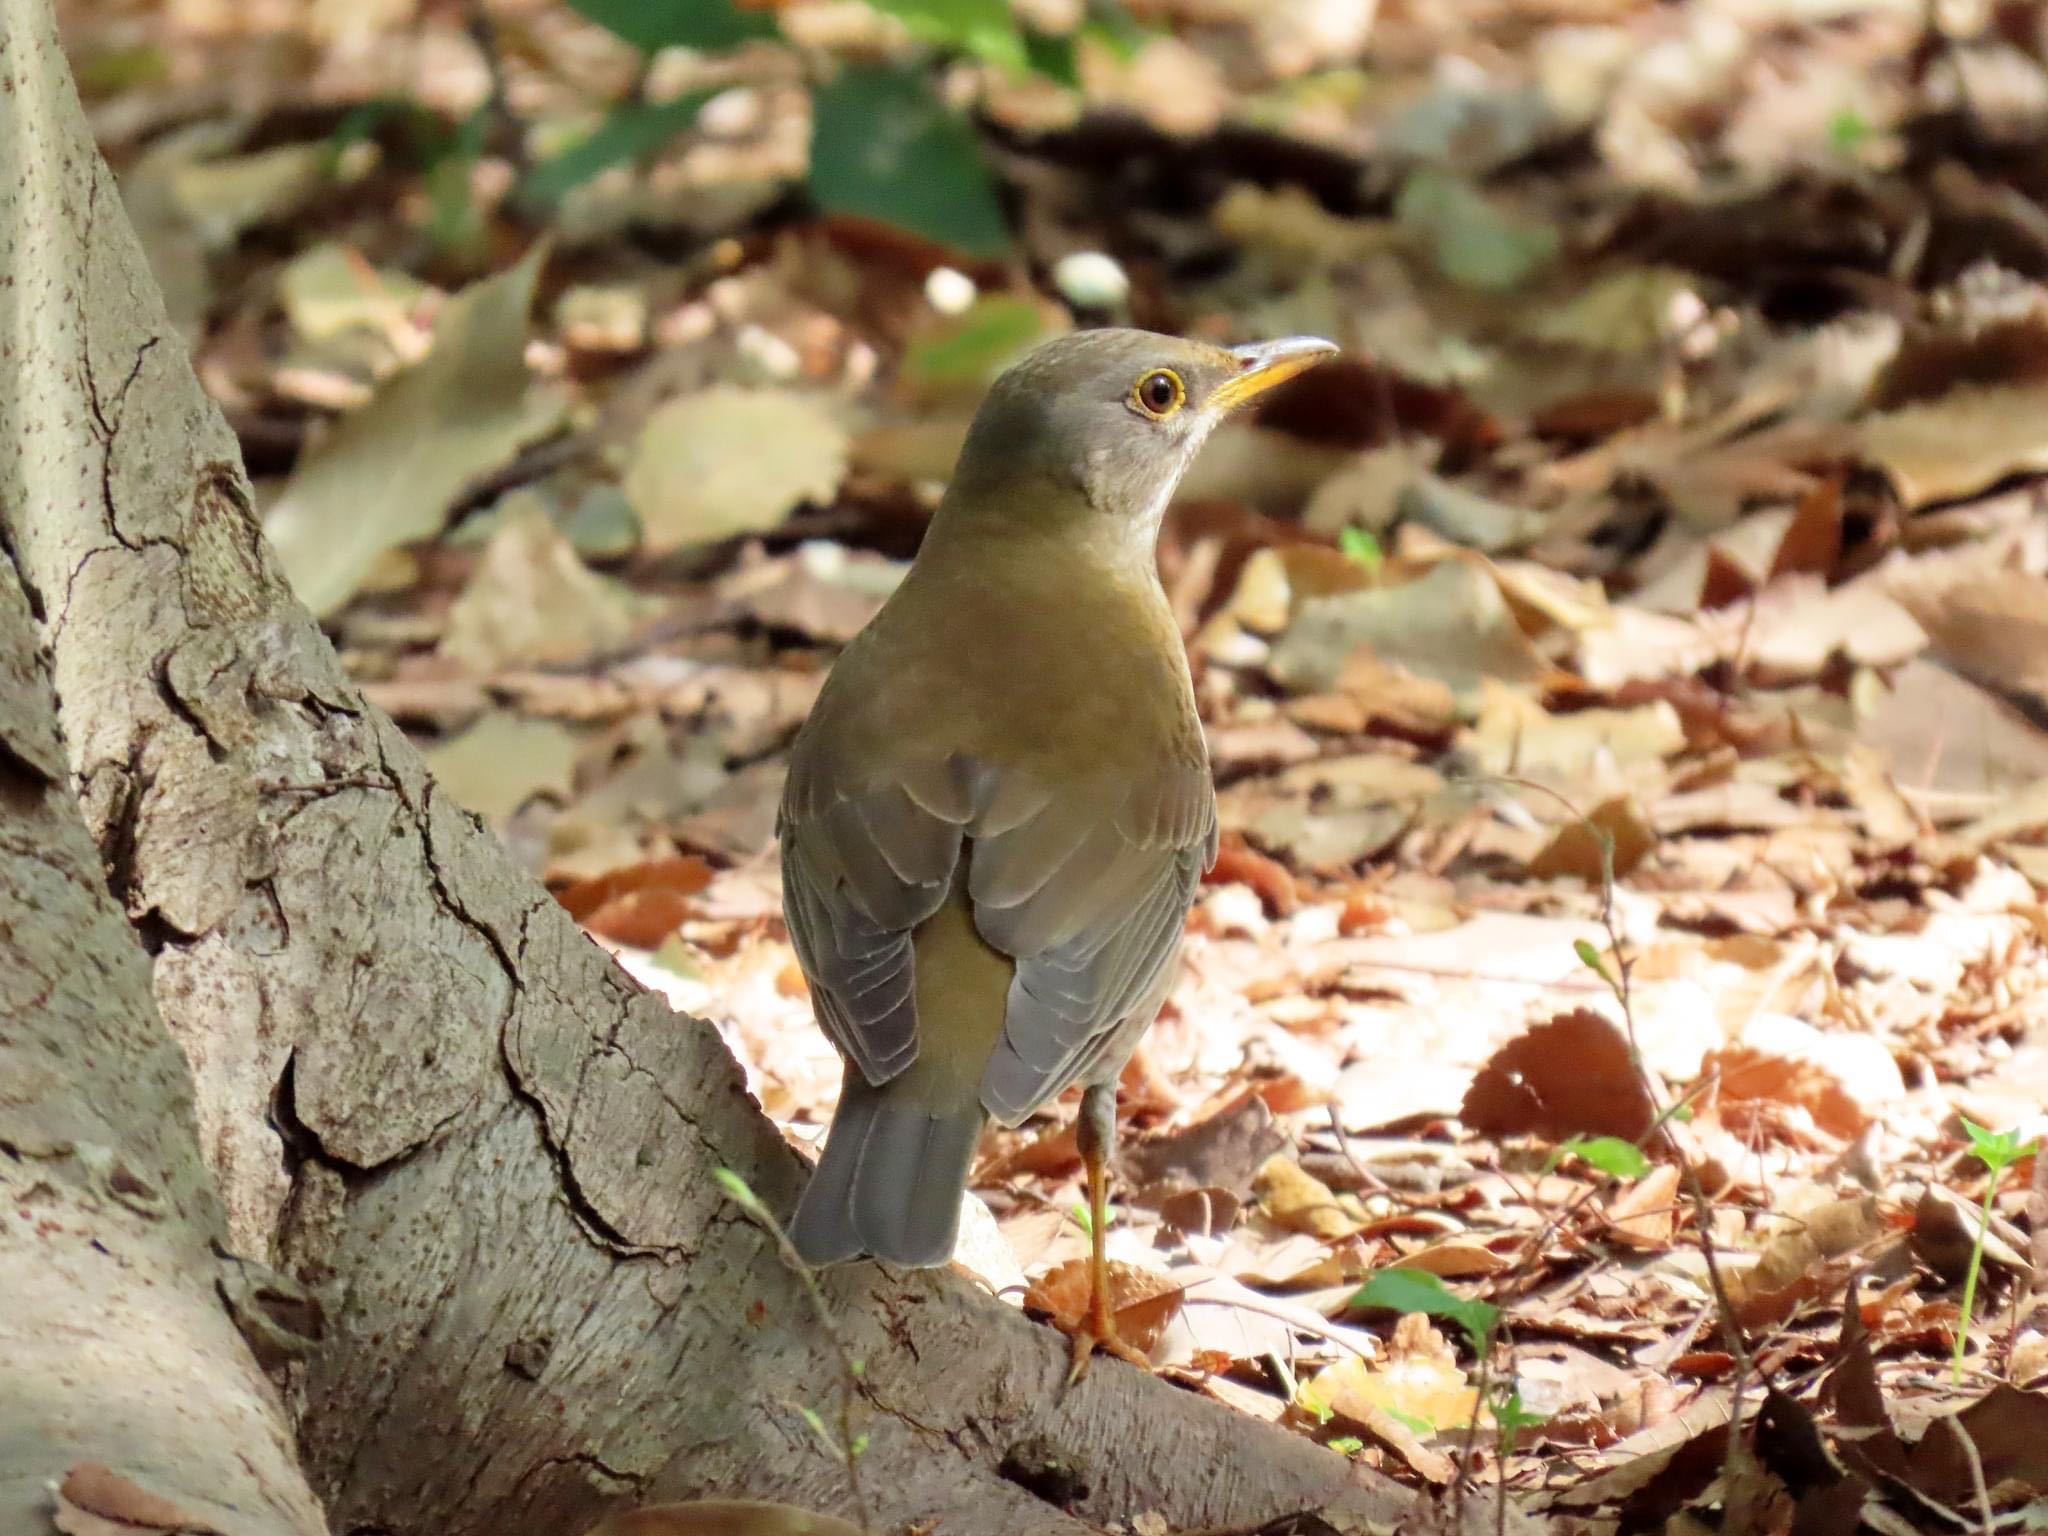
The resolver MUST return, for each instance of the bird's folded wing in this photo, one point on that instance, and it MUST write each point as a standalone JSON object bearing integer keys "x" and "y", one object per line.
{"x": 1090, "y": 894}
{"x": 860, "y": 871}
{"x": 1087, "y": 889}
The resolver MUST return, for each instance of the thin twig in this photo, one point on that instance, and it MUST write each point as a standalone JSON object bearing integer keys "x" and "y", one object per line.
{"x": 1976, "y": 1462}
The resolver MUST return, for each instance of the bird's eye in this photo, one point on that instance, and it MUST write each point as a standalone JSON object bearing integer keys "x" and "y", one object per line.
{"x": 1159, "y": 393}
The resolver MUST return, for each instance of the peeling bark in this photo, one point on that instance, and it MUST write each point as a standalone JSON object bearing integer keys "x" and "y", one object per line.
{"x": 424, "y": 1093}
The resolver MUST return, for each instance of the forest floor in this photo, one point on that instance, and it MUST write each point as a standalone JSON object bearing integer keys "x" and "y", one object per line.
{"x": 1625, "y": 670}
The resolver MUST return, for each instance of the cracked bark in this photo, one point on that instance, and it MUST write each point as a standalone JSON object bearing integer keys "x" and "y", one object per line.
{"x": 421, "y": 1091}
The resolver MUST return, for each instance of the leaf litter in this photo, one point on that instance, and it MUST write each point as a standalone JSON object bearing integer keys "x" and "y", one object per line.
{"x": 1674, "y": 516}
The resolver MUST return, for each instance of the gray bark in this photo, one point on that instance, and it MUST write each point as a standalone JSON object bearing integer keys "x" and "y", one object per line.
{"x": 127, "y": 1392}
{"x": 423, "y": 1092}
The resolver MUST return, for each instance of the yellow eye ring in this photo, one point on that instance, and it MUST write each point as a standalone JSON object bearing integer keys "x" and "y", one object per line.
{"x": 1158, "y": 393}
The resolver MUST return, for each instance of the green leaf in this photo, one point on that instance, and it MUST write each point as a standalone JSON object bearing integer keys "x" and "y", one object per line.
{"x": 1418, "y": 1424}
{"x": 651, "y": 25}
{"x": 1347, "y": 1445}
{"x": 1995, "y": 1150}
{"x": 1592, "y": 959}
{"x": 974, "y": 347}
{"x": 984, "y": 28}
{"x": 1610, "y": 1154}
{"x": 739, "y": 1192}
{"x": 885, "y": 147}
{"x": 1510, "y": 1418}
{"x": 632, "y": 131}
{"x": 1361, "y": 547}
{"x": 1412, "y": 1290}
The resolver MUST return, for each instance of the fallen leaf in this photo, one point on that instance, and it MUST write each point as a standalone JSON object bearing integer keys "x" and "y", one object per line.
{"x": 1569, "y": 1076}
{"x": 330, "y": 289}
{"x": 1421, "y": 1381}
{"x": 2009, "y": 1430}
{"x": 1611, "y": 841}
{"x": 1451, "y": 624}
{"x": 1645, "y": 1214}
{"x": 388, "y": 473}
{"x": 1808, "y": 1255}
{"x": 1747, "y": 1073}
{"x": 641, "y": 904}
{"x": 1964, "y": 441}
{"x": 726, "y": 461}
{"x": 1224, "y": 1151}
{"x": 503, "y": 761}
{"x": 1992, "y": 628}
{"x": 1301, "y": 1202}
{"x": 531, "y": 602}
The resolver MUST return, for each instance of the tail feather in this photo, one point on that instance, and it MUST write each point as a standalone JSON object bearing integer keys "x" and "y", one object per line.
{"x": 890, "y": 1180}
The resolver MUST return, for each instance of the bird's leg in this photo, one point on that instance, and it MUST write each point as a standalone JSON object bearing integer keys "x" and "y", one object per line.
{"x": 1096, "y": 1134}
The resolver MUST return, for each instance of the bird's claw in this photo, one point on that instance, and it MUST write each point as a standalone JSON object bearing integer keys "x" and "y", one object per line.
{"x": 1100, "y": 1333}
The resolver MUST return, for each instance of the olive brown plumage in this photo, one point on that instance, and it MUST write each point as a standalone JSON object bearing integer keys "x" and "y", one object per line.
{"x": 998, "y": 811}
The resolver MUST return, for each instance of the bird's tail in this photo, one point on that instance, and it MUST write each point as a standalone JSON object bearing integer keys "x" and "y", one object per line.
{"x": 890, "y": 1182}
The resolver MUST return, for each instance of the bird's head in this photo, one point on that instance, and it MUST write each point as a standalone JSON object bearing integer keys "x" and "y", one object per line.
{"x": 1105, "y": 422}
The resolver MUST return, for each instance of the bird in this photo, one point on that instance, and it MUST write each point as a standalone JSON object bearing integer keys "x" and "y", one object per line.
{"x": 999, "y": 808}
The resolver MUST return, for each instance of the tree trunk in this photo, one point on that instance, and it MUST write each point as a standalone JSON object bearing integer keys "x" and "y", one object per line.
{"x": 423, "y": 1092}
{"x": 126, "y": 1393}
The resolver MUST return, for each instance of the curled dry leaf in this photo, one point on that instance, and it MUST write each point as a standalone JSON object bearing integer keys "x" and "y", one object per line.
{"x": 1645, "y": 1214}
{"x": 1569, "y": 1076}
{"x": 2008, "y": 1432}
{"x": 1144, "y": 1301}
{"x": 721, "y": 1517}
{"x": 727, "y": 461}
{"x": 1747, "y": 1074}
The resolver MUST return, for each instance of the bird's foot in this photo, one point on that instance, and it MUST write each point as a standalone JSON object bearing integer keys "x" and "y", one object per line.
{"x": 1099, "y": 1332}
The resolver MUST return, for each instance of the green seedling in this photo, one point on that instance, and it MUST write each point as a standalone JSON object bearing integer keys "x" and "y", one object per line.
{"x": 1997, "y": 1151}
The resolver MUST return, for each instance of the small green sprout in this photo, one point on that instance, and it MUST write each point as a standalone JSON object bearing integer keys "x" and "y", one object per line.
{"x": 1997, "y": 1151}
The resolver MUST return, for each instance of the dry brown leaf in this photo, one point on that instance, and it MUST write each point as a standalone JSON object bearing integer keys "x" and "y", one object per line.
{"x": 1581, "y": 850}
{"x": 1569, "y": 1076}
{"x": 1809, "y": 1256}
{"x": 1962, "y": 442}
{"x": 721, "y": 1517}
{"x": 1452, "y": 624}
{"x": 1143, "y": 1301}
{"x": 1992, "y": 627}
{"x": 1301, "y": 1202}
{"x": 2009, "y": 1430}
{"x": 641, "y": 904}
{"x": 1645, "y": 1214}
{"x": 1458, "y": 1258}
{"x": 1744, "y": 1074}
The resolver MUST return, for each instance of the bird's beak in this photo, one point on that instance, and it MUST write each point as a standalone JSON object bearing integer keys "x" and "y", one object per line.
{"x": 1266, "y": 363}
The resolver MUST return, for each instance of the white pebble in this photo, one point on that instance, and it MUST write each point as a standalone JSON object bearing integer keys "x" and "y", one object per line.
{"x": 1091, "y": 280}
{"x": 948, "y": 291}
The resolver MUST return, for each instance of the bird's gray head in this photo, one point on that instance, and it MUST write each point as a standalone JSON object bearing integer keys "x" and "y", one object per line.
{"x": 1115, "y": 415}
